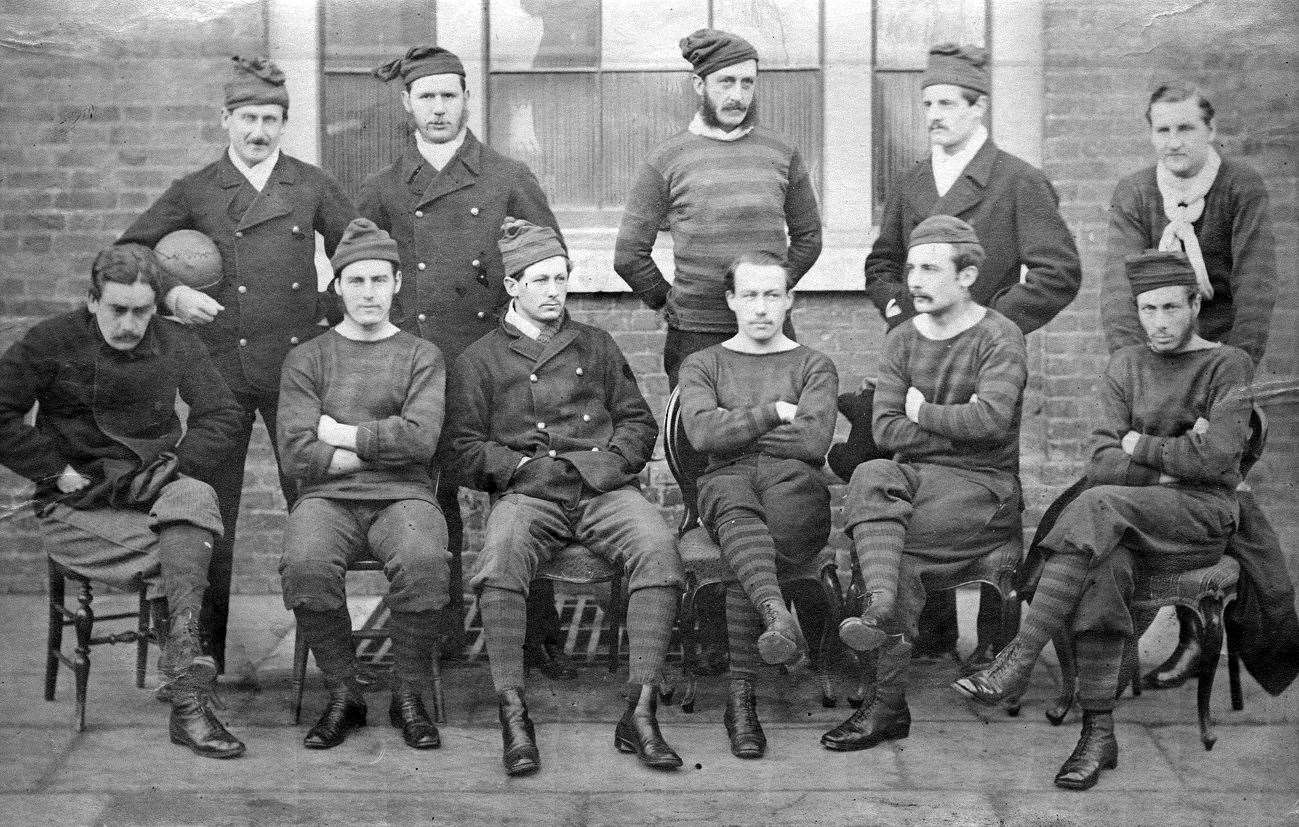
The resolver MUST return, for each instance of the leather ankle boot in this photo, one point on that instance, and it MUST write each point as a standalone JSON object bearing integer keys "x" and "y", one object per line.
{"x": 520, "y": 754}
{"x": 782, "y": 640}
{"x": 638, "y": 732}
{"x": 741, "y": 720}
{"x": 1097, "y": 750}
{"x": 867, "y": 632}
{"x": 407, "y": 713}
{"x": 868, "y": 726}
{"x": 1183, "y": 663}
{"x": 1007, "y": 677}
{"x": 193, "y": 723}
{"x": 345, "y": 712}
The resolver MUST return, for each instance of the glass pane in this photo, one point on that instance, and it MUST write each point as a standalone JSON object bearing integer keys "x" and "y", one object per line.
{"x": 641, "y": 35}
{"x": 358, "y": 37}
{"x": 641, "y": 110}
{"x": 536, "y": 34}
{"x": 789, "y": 103}
{"x": 900, "y": 137}
{"x": 549, "y": 121}
{"x": 365, "y": 128}
{"x": 785, "y": 32}
{"x": 905, "y": 29}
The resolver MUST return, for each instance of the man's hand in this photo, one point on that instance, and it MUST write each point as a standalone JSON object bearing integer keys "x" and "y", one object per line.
{"x": 332, "y": 432}
{"x": 786, "y": 410}
{"x": 1167, "y": 479}
{"x": 70, "y": 480}
{"x": 192, "y": 306}
{"x": 1130, "y": 442}
{"x": 914, "y": 400}
{"x": 1201, "y": 426}
{"x": 344, "y": 462}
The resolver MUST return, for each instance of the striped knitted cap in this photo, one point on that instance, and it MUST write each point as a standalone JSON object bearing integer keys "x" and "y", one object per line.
{"x": 257, "y": 81}
{"x": 1153, "y": 269}
{"x": 965, "y": 66}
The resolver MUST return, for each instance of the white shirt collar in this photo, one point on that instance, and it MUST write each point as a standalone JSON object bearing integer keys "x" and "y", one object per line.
{"x": 438, "y": 155}
{"x": 947, "y": 168}
{"x": 257, "y": 175}
{"x": 526, "y": 326}
{"x": 703, "y": 130}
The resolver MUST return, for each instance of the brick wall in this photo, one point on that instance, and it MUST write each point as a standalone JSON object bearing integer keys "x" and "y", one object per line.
{"x": 92, "y": 130}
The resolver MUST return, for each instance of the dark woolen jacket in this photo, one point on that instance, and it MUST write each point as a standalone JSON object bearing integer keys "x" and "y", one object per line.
{"x": 268, "y": 253}
{"x": 98, "y": 403}
{"x": 1015, "y": 212}
{"x": 572, "y": 405}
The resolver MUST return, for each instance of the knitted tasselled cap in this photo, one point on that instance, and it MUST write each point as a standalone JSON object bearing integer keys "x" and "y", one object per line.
{"x": 256, "y": 81}
{"x": 711, "y": 49}
{"x": 363, "y": 240}
{"x": 418, "y": 62}
{"x": 937, "y": 229}
{"x": 965, "y": 66}
{"x": 524, "y": 243}
{"x": 1153, "y": 269}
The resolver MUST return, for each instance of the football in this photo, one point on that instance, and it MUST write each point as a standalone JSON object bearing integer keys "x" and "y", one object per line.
{"x": 191, "y": 257}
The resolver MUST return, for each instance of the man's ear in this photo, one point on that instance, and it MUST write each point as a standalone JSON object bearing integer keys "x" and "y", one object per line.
{"x": 698, "y": 83}
{"x": 968, "y": 276}
{"x": 511, "y": 286}
{"x": 396, "y": 281}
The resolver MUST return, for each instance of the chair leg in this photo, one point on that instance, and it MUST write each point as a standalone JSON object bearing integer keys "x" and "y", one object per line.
{"x": 54, "y": 637}
{"x": 686, "y": 621}
{"x": 614, "y": 620}
{"x": 1209, "y": 630}
{"x": 299, "y": 673}
{"x": 1059, "y": 709}
{"x": 1233, "y": 678}
{"x": 439, "y": 699}
{"x": 84, "y": 622}
{"x": 1006, "y": 630}
{"x": 142, "y": 630}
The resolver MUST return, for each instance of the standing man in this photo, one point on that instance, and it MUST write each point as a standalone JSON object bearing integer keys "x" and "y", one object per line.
{"x": 1031, "y": 271}
{"x": 443, "y": 201}
{"x": 1215, "y": 211}
{"x": 545, "y": 412}
{"x": 119, "y": 490}
{"x": 262, "y": 208}
{"x": 360, "y": 414}
{"x": 762, "y": 407}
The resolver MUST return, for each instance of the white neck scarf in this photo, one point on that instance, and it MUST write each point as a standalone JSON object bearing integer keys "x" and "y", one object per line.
{"x": 1183, "y": 205}
{"x": 525, "y": 326}
{"x": 947, "y": 168}
{"x": 703, "y": 130}
{"x": 438, "y": 155}
{"x": 259, "y": 174}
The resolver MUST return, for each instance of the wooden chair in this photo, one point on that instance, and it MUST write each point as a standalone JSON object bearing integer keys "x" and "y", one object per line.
{"x": 83, "y": 621}
{"x": 705, "y": 569}
{"x": 577, "y": 565}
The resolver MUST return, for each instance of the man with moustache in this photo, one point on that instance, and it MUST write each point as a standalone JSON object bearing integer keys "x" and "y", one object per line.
{"x": 443, "y": 201}
{"x": 1031, "y": 270}
{"x": 262, "y": 208}
{"x": 120, "y": 485}
{"x": 1215, "y": 210}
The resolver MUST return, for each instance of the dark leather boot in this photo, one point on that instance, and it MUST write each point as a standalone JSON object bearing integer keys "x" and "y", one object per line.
{"x": 1097, "y": 750}
{"x": 741, "y": 720}
{"x": 1183, "y": 663}
{"x": 520, "y": 754}
{"x": 868, "y": 726}
{"x": 1007, "y": 677}
{"x": 193, "y": 723}
{"x": 868, "y": 632}
{"x": 407, "y": 713}
{"x": 344, "y": 713}
{"x": 638, "y": 732}
{"x": 783, "y": 640}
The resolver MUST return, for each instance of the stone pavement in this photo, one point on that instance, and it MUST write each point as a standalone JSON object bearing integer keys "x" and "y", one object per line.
{"x": 961, "y": 765}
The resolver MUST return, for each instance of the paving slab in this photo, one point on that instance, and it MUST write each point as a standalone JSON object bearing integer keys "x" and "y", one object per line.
{"x": 44, "y": 809}
{"x": 1246, "y": 758}
{"x": 1102, "y": 805}
{"x": 897, "y": 807}
{"x": 28, "y": 754}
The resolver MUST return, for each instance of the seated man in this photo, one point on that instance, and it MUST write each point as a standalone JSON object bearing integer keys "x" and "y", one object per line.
{"x": 545, "y": 412}
{"x": 360, "y": 414}
{"x": 118, "y": 490}
{"x": 762, "y": 408}
{"x": 1164, "y": 470}
{"x": 947, "y": 406}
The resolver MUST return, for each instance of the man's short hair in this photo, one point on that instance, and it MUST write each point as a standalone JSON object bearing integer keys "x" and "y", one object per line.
{"x": 967, "y": 254}
{"x": 759, "y": 258}
{"x": 970, "y": 95}
{"x": 126, "y": 264}
{"x": 1178, "y": 92}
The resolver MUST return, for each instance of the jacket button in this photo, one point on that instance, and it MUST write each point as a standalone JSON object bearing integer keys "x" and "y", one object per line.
{"x": 293, "y": 340}
{"x": 578, "y": 371}
{"x": 295, "y": 230}
{"x": 473, "y": 211}
{"x": 243, "y": 343}
{"x": 294, "y": 286}
{"x": 541, "y": 426}
{"x": 532, "y": 377}
{"x": 422, "y": 317}
{"x": 475, "y": 263}
{"x": 482, "y": 314}
{"x": 552, "y": 453}
{"x": 594, "y": 448}
{"x": 586, "y": 417}
{"x": 243, "y": 289}
{"x": 421, "y": 266}
{"x": 419, "y": 213}
{"x": 239, "y": 233}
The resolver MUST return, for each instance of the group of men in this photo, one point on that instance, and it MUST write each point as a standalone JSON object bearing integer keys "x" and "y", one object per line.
{"x": 442, "y": 355}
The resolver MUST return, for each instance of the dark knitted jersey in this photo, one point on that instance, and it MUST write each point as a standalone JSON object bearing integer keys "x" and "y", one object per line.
{"x": 988, "y": 360}
{"x": 392, "y": 390}
{"x": 728, "y": 405}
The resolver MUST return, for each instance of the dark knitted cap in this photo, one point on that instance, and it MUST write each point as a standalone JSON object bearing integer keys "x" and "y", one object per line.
{"x": 524, "y": 243}
{"x": 938, "y": 229}
{"x": 364, "y": 240}
{"x": 257, "y": 81}
{"x": 711, "y": 49}
{"x": 418, "y": 62}
{"x": 965, "y": 66}
{"x": 1153, "y": 269}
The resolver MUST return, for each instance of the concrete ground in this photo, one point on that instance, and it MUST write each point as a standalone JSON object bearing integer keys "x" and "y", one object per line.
{"x": 961, "y": 765}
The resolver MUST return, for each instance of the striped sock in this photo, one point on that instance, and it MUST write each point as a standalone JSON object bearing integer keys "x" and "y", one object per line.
{"x": 505, "y": 620}
{"x": 878, "y": 546}
{"x": 1056, "y": 598}
{"x": 748, "y": 549}
{"x": 414, "y": 644}
{"x": 651, "y": 613}
{"x": 1100, "y": 656}
{"x": 743, "y": 625}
